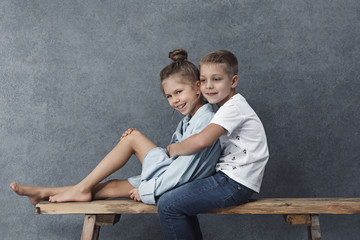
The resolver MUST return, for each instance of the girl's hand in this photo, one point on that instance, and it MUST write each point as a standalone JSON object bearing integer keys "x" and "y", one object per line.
{"x": 134, "y": 194}
{"x": 127, "y": 132}
{"x": 171, "y": 150}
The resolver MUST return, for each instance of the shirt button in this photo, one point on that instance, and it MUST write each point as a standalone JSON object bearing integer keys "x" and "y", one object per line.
{"x": 239, "y": 188}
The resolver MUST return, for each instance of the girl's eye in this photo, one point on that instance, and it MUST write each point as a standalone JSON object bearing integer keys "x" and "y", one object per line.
{"x": 168, "y": 96}
{"x": 177, "y": 92}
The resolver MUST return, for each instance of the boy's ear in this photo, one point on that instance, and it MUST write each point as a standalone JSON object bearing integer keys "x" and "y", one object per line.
{"x": 235, "y": 80}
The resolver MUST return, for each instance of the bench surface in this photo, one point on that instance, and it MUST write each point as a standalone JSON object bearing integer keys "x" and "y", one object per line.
{"x": 258, "y": 206}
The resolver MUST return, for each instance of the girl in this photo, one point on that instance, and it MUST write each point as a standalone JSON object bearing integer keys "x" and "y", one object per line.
{"x": 160, "y": 173}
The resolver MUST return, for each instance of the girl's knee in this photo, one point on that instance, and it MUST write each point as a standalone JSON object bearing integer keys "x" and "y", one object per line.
{"x": 129, "y": 134}
{"x": 134, "y": 134}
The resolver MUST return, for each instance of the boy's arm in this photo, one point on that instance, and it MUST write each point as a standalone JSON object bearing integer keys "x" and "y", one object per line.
{"x": 196, "y": 142}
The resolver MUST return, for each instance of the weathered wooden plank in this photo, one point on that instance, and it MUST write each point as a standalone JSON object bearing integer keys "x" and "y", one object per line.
{"x": 96, "y": 207}
{"x": 96, "y": 232}
{"x": 88, "y": 227}
{"x": 295, "y": 206}
{"x": 107, "y": 219}
{"x": 298, "y": 219}
{"x": 314, "y": 232}
{"x": 259, "y": 206}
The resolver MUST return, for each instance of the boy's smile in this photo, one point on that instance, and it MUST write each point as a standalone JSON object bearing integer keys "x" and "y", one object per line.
{"x": 217, "y": 85}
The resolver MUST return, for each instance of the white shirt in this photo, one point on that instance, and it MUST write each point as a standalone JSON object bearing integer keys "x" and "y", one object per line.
{"x": 244, "y": 146}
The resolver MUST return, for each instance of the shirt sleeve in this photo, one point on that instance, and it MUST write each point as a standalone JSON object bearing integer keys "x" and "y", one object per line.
{"x": 229, "y": 117}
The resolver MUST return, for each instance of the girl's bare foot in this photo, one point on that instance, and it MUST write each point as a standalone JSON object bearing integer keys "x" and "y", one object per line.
{"x": 73, "y": 194}
{"x": 35, "y": 194}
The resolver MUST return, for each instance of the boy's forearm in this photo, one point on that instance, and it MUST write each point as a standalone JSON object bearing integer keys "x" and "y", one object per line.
{"x": 196, "y": 142}
{"x": 189, "y": 146}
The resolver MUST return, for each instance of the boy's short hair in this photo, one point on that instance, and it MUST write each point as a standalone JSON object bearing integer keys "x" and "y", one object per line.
{"x": 223, "y": 57}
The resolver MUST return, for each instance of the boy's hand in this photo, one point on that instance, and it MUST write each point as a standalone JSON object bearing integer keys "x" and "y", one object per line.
{"x": 134, "y": 194}
{"x": 171, "y": 150}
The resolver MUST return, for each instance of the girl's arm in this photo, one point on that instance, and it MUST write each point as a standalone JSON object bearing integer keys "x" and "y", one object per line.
{"x": 196, "y": 142}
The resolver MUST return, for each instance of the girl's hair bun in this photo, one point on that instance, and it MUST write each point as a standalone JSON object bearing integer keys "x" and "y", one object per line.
{"x": 178, "y": 55}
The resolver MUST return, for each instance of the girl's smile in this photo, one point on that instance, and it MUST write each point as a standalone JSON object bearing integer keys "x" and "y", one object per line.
{"x": 181, "y": 95}
{"x": 181, "y": 106}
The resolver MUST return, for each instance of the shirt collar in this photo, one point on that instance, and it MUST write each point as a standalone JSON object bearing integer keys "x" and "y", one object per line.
{"x": 202, "y": 110}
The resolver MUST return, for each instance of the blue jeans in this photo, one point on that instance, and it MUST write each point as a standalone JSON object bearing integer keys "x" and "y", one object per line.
{"x": 177, "y": 208}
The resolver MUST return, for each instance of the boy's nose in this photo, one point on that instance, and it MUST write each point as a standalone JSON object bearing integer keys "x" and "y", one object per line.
{"x": 209, "y": 84}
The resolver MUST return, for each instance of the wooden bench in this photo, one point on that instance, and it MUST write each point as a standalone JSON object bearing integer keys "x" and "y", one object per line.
{"x": 296, "y": 211}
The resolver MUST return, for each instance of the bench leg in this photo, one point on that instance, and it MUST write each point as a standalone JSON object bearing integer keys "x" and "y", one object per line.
{"x": 314, "y": 229}
{"x": 92, "y": 223}
{"x": 89, "y": 227}
{"x": 311, "y": 221}
{"x": 96, "y": 233}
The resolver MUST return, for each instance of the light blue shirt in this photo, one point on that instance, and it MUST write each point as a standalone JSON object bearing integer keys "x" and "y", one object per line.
{"x": 161, "y": 173}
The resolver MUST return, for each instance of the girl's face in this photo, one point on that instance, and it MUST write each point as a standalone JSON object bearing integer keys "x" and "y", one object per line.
{"x": 181, "y": 95}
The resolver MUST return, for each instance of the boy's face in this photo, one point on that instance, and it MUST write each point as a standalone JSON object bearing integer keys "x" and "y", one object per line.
{"x": 217, "y": 86}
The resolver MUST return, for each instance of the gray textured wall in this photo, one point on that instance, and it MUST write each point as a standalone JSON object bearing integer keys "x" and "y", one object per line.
{"x": 75, "y": 74}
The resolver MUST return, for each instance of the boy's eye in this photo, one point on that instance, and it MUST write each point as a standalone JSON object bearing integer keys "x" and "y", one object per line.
{"x": 202, "y": 80}
{"x": 217, "y": 79}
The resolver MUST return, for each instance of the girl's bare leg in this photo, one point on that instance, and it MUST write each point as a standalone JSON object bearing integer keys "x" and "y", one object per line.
{"x": 109, "y": 189}
{"x": 35, "y": 193}
{"x": 112, "y": 189}
{"x": 135, "y": 143}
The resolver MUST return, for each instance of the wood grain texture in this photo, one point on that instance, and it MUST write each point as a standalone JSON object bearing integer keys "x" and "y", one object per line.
{"x": 259, "y": 206}
{"x": 88, "y": 227}
{"x": 314, "y": 232}
{"x": 298, "y": 219}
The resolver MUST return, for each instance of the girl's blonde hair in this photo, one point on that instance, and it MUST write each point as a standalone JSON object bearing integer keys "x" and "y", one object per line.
{"x": 180, "y": 65}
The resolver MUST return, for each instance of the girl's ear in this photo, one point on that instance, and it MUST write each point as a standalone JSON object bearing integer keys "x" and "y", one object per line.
{"x": 235, "y": 80}
{"x": 197, "y": 86}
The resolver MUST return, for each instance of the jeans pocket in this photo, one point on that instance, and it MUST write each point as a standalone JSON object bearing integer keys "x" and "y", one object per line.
{"x": 238, "y": 196}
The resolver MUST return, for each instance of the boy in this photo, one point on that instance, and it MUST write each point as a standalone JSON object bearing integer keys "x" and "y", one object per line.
{"x": 241, "y": 166}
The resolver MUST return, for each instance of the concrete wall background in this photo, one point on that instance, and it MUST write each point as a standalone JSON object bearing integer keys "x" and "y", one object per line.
{"x": 75, "y": 74}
